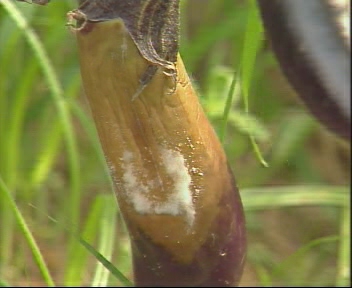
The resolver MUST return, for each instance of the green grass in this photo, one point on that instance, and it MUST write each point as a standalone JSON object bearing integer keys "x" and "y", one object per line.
{"x": 55, "y": 188}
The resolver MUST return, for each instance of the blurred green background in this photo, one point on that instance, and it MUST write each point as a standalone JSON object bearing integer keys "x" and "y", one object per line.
{"x": 297, "y": 209}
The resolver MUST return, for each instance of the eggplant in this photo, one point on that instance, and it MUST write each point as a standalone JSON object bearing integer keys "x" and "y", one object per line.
{"x": 174, "y": 187}
{"x": 314, "y": 56}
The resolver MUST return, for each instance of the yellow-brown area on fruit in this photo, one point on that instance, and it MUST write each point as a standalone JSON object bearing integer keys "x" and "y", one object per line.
{"x": 168, "y": 166}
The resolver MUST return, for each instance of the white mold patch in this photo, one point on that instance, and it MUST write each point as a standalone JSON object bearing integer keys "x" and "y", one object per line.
{"x": 179, "y": 200}
{"x": 181, "y": 197}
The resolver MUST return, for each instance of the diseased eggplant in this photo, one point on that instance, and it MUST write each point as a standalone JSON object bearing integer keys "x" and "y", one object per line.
{"x": 314, "y": 55}
{"x": 174, "y": 187}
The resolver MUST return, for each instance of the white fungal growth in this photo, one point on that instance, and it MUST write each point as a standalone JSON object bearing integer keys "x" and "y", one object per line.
{"x": 181, "y": 198}
{"x": 136, "y": 191}
{"x": 179, "y": 201}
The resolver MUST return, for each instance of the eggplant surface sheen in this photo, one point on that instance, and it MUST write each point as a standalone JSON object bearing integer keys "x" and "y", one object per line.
{"x": 308, "y": 42}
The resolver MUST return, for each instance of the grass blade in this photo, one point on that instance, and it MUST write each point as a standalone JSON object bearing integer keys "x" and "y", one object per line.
{"x": 281, "y": 267}
{"x": 76, "y": 266}
{"x": 28, "y": 236}
{"x": 107, "y": 237}
{"x": 60, "y": 102}
{"x": 277, "y": 197}
{"x": 252, "y": 41}
{"x": 107, "y": 264}
{"x": 234, "y": 87}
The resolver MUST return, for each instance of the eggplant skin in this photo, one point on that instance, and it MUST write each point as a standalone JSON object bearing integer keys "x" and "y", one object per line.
{"x": 312, "y": 55}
